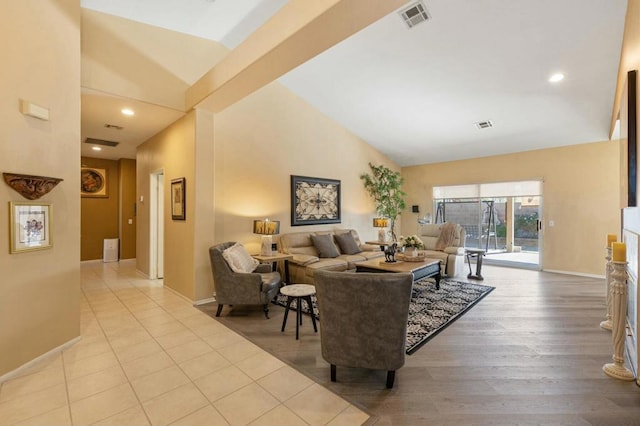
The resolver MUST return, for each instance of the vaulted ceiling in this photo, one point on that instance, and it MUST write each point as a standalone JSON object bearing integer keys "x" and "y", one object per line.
{"x": 417, "y": 93}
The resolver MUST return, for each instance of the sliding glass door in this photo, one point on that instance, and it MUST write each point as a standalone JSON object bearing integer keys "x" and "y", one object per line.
{"x": 502, "y": 218}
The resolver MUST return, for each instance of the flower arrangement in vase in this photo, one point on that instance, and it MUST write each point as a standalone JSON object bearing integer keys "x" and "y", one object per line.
{"x": 412, "y": 242}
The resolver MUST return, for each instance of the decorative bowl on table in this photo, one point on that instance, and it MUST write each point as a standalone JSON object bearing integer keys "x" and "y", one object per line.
{"x": 408, "y": 256}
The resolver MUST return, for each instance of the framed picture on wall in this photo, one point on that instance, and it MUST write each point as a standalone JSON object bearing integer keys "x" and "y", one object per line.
{"x": 93, "y": 182}
{"x": 314, "y": 201}
{"x": 178, "y": 192}
{"x": 30, "y": 227}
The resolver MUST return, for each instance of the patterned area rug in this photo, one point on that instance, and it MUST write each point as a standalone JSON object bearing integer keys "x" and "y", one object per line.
{"x": 430, "y": 311}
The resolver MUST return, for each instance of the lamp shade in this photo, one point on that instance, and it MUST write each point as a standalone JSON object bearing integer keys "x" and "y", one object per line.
{"x": 380, "y": 222}
{"x": 266, "y": 227}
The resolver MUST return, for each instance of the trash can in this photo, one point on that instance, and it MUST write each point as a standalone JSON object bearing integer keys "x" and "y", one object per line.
{"x": 110, "y": 250}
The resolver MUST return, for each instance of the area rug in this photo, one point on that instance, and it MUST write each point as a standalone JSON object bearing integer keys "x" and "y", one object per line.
{"x": 430, "y": 311}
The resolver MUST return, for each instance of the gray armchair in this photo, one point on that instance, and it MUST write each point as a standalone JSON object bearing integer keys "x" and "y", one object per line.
{"x": 234, "y": 288}
{"x": 363, "y": 319}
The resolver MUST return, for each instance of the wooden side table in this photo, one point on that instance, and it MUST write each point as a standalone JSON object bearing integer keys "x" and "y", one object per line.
{"x": 299, "y": 292}
{"x": 274, "y": 259}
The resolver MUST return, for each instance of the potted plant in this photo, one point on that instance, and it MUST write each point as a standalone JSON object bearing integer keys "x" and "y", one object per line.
{"x": 385, "y": 187}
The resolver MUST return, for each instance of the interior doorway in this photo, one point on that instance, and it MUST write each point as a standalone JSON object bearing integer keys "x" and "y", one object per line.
{"x": 156, "y": 219}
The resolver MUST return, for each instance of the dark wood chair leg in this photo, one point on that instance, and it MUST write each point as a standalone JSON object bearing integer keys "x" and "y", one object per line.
{"x": 286, "y": 312}
{"x": 313, "y": 316}
{"x": 219, "y": 310}
{"x": 391, "y": 375}
{"x": 266, "y": 310}
{"x": 333, "y": 372}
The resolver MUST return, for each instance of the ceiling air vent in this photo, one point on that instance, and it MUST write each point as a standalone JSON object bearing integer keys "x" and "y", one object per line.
{"x": 113, "y": 126}
{"x": 100, "y": 142}
{"x": 414, "y": 14}
{"x": 484, "y": 124}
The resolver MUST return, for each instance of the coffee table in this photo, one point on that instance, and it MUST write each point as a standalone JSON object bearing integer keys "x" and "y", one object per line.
{"x": 423, "y": 269}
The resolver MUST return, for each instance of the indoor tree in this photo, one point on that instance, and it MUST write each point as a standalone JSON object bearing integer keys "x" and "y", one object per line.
{"x": 385, "y": 187}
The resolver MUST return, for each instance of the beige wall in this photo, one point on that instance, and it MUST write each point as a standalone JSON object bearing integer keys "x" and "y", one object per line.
{"x": 243, "y": 158}
{"x": 127, "y": 208}
{"x": 40, "y": 290}
{"x": 171, "y": 151}
{"x": 120, "y": 55}
{"x": 267, "y": 137}
{"x": 580, "y": 194}
{"x": 99, "y": 215}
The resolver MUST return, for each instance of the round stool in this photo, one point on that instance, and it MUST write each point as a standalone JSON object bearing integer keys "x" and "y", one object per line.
{"x": 299, "y": 292}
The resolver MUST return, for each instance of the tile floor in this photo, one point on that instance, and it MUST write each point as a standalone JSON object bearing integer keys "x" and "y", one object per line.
{"x": 147, "y": 356}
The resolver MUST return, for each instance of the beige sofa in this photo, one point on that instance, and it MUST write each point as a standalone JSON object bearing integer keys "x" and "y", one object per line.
{"x": 306, "y": 259}
{"x": 452, "y": 256}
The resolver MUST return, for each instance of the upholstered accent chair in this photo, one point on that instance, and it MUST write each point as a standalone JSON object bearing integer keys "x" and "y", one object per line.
{"x": 363, "y": 319}
{"x": 258, "y": 287}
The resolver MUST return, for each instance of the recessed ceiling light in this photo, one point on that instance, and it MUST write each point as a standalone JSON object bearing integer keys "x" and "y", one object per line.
{"x": 96, "y": 148}
{"x": 556, "y": 77}
{"x": 127, "y": 111}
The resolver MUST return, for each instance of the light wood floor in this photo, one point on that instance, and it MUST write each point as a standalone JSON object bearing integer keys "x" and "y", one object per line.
{"x": 531, "y": 352}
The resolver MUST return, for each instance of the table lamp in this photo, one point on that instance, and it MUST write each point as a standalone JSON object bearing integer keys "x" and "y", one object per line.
{"x": 381, "y": 222}
{"x": 266, "y": 228}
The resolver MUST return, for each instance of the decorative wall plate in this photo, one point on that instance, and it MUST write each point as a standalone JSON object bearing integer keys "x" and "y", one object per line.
{"x": 29, "y": 186}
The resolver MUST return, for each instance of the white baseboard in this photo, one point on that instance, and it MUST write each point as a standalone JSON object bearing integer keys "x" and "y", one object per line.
{"x": 10, "y": 375}
{"x": 578, "y": 274}
{"x": 203, "y": 301}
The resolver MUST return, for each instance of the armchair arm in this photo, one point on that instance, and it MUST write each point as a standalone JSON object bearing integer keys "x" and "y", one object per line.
{"x": 263, "y": 268}
{"x": 369, "y": 247}
{"x": 459, "y": 251}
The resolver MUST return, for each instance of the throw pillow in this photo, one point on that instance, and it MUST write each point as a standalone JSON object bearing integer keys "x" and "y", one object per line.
{"x": 347, "y": 243}
{"x": 239, "y": 259}
{"x": 325, "y": 246}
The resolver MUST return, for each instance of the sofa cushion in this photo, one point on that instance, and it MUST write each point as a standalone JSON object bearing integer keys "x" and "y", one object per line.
{"x": 304, "y": 259}
{"x": 239, "y": 259}
{"x": 326, "y": 265}
{"x": 352, "y": 259}
{"x": 371, "y": 254}
{"x": 325, "y": 246}
{"x": 347, "y": 243}
{"x": 297, "y": 243}
{"x": 440, "y": 255}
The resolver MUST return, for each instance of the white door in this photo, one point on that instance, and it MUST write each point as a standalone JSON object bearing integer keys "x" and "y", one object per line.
{"x": 156, "y": 219}
{"x": 160, "y": 240}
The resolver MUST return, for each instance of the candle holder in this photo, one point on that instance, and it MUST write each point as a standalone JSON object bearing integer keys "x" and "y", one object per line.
{"x": 619, "y": 296}
{"x": 607, "y": 324}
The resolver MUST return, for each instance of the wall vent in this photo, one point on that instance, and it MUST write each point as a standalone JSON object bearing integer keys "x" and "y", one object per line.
{"x": 484, "y": 124}
{"x": 414, "y": 14}
{"x": 100, "y": 142}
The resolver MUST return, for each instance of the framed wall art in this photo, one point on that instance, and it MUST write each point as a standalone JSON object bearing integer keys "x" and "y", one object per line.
{"x": 314, "y": 201}
{"x": 93, "y": 182}
{"x": 29, "y": 226}
{"x": 178, "y": 192}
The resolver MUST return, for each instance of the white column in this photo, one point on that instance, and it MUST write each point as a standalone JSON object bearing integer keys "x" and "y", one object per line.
{"x": 607, "y": 324}
{"x": 619, "y": 296}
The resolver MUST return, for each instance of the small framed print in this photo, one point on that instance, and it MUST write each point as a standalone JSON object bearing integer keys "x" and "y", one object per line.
{"x": 30, "y": 226}
{"x": 93, "y": 182}
{"x": 178, "y": 192}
